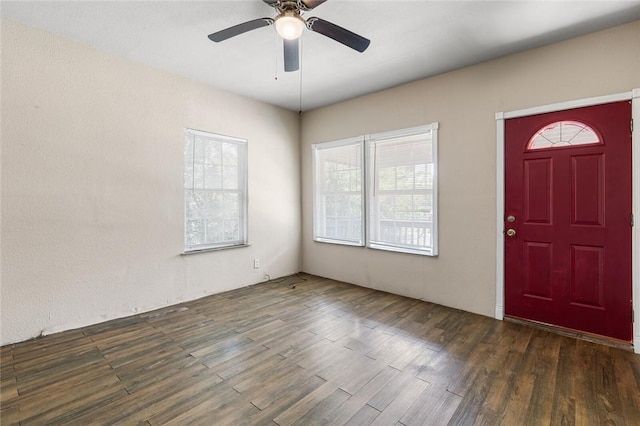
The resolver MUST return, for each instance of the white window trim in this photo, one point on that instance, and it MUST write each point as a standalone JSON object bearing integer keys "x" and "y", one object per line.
{"x": 634, "y": 96}
{"x": 244, "y": 211}
{"x": 336, "y": 144}
{"x": 377, "y": 137}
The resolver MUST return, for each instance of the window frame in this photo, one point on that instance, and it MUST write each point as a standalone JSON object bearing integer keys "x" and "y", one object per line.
{"x": 367, "y": 175}
{"x": 317, "y": 194}
{"x": 370, "y": 172}
{"x": 242, "y": 191}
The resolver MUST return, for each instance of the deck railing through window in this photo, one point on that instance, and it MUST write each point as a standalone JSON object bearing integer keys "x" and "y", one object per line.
{"x": 406, "y": 232}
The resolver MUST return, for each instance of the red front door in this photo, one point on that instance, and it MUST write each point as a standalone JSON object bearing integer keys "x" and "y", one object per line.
{"x": 568, "y": 219}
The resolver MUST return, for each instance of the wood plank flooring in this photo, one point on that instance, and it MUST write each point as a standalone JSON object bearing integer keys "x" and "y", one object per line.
{"x": 324, "y": 352}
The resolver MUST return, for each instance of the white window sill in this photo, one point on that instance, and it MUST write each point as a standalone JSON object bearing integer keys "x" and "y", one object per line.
{"x": 341, "y": 242}
{"x": 429, "y": 252}
{"x": 203, "y": 250}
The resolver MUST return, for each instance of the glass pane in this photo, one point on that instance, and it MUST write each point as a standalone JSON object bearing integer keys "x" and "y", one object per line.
{"x": 385, "y": 207}
{"x": 422, "y": 207}
{"x": 420, "y": 174}
{"x": 215, "y": 233}
{"x": 195, "y": 232}
{"x": 212, "y": 176}
{"x": 213, "y": 216}
{"x": 230, "y": 154}
{"x": 232, "y": 230}
{"x": 401, "y": 211}
{"x": 198, "y": 148}
{"x": 343, "y": 179}
{"x": 562, "y": 134}
{"x": 355, "y": 180}
{"x": 212, "y": 153}
{"x": 230, "y": 177}
{"x": 331, "y": 230}
{"x": 198, "y": 176}
{"x": 231, "y": 206}
{"x": 330, "y": 183}
{"x": 387, "y": 179}
{"x": 403, "y": 207}
{"x": 338, "y": 182}
{"x": 404, "y": 177}
{"x": 330, "y": 206}
{"x": 189, "y": 205}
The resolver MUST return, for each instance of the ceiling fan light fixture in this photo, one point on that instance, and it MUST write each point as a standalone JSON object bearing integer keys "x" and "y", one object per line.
{"x": 289, "y": 25}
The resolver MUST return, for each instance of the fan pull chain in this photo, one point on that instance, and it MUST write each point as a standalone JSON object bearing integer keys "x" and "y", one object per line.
{"x": 300, "y": 47}
{"x": 276, "y": 55}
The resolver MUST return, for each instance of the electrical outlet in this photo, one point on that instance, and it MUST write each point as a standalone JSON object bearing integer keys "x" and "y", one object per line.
{"x": 256, "y": 263}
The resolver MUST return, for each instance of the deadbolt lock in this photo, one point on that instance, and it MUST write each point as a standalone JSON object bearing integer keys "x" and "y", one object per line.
{"x": 511, "y": 219}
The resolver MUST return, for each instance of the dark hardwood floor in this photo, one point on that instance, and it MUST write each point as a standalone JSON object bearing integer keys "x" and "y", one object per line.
{"x": 323, "y": 353}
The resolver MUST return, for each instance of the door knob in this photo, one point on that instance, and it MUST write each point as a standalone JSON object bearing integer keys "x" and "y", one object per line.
{"x": 511, "y": 232}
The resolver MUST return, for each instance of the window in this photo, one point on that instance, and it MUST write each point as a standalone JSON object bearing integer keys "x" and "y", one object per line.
{"x": 338, "y": 192}
{"x": 562, "y": 134}
{"x": 215, "y": 191}
{"x": 400, "y": 202}
{"x": 402, "y": 192}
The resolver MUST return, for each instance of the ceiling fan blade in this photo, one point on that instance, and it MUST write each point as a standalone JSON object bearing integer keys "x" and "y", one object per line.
{"x": 271, "y": 2}
{"x": 309, "y": 4}
{"x": 291, "y": 55}
{"x": 339, "y": 34}
{"x": 240, "y": 29}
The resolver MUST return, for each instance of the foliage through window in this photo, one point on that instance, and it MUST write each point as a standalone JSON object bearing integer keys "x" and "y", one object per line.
{"x": 215, "y": 194}
{"x": 400, "y": 201}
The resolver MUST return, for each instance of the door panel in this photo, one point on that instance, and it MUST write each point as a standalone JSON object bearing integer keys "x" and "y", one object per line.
{"x": 587, "y": 203}
{"x": 537, "y": 182}
{"x": 568, "y": 193}
{"x": 537, "y": 258}
{"x": 587, "y": 276}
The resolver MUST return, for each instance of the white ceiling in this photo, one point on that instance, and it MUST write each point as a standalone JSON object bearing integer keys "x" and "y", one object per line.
{"x": 410, "y": 40}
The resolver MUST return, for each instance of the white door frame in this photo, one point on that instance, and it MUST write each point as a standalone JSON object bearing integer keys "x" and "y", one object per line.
{"x": 634, "y": 96}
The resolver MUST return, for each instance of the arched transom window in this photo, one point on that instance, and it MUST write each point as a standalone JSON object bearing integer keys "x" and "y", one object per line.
{"x": 563, "y": 134}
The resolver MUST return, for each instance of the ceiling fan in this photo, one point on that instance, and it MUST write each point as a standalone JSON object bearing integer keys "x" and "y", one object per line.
{"x": 289, "y": 24}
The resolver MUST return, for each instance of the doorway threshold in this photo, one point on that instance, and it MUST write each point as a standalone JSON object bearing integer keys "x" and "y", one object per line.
{"x": 580, "y": 335}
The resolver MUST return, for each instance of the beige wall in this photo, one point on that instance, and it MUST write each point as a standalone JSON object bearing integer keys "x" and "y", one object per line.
{"x": 92, "y": 199}
{"x": 464, "y": 102}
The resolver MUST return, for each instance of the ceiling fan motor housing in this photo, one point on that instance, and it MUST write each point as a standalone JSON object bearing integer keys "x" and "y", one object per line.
{"x": 285, "y": 5}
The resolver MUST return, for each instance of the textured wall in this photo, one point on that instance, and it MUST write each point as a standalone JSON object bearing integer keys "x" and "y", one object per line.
{"x": 92, "y": 199}
{"x": 464, "y": 102}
